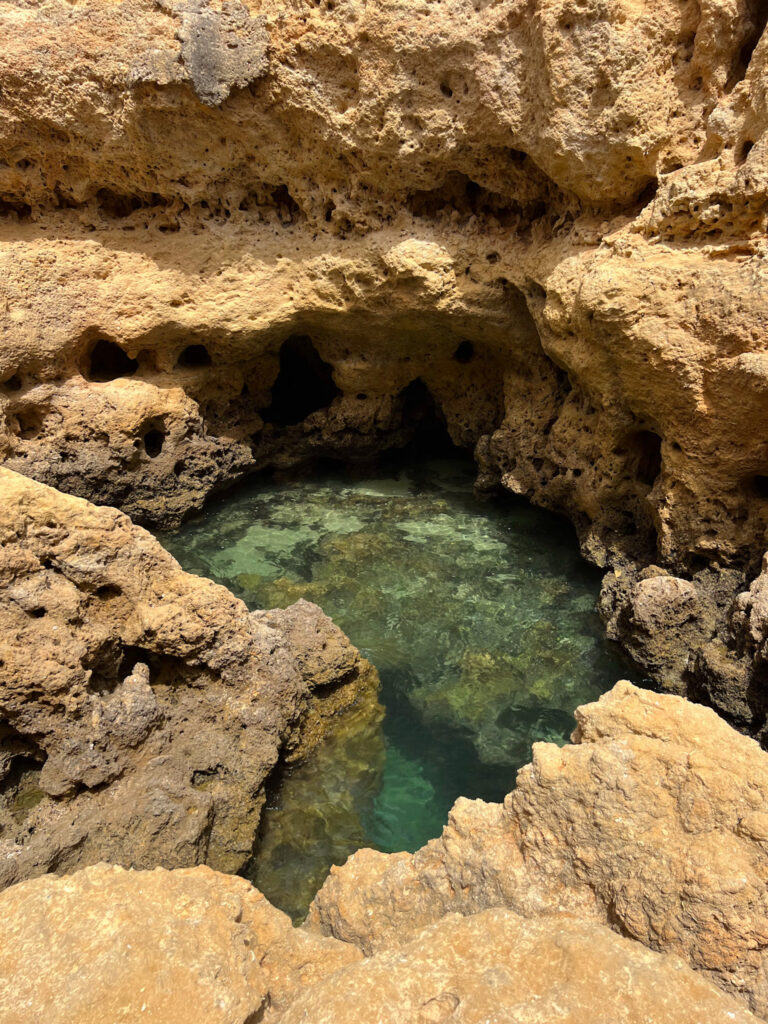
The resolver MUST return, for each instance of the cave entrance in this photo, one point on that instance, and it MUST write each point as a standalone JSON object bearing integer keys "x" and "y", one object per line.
{"x": 423, "y": 423}
{"x": 304, "y": 383}
{"x": 645, "y": 456}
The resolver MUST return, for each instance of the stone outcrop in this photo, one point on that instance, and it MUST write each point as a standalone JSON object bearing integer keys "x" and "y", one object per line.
{"x": 470, "y": 206}
{"x": 247, "y": 233}
{"x": 613, "y": 835}
{"x": 107, "y": 944}
{"x": 705, "y": 637}
{"x": 652, "y": 823}
{"x": 244, "y": 235}
{"x": 496, "y": 966}
{"x": 144, "y": 708}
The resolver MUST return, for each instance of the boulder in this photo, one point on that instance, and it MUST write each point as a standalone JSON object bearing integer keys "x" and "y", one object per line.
{"x": 106, "y": 945}
{"x": 142, "y": 707}
{"x": 652, "y": 822}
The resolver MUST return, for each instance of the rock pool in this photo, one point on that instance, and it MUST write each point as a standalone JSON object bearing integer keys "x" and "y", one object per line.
{"x": 480, "y": 616}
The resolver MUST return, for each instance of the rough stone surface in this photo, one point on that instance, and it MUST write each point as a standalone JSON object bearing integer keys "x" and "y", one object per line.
{"x": 458, "y": 193}
{"x": 496, "y": 967}
{"x": 107, "y": 945}
{"x": 143, "y": 708}
{"x": 652, "y": 823}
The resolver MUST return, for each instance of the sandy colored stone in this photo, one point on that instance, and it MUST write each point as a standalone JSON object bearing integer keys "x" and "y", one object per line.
{"x": 229, "y": 175}
{"x": 143, "y": 708}
{"x": 652, "y": 822}
{"x": 496, "y": 967}
{"x": 107, "y": 945}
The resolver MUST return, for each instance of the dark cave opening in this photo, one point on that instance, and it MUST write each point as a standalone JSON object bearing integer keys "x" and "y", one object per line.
{"x": 424, "y": 422}
{"x": 304, "y": 383}
{"x": 107, "y": 361}
{"x": 194, "y": 356}
{"x": 645, "y": 453}
{"x": 465, "y": 352}
{"x": 153, "y": 439}
{"x": 757, "y": 13}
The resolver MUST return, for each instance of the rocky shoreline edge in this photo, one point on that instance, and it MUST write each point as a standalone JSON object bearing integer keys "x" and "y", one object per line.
{"x": 622, "y": 880}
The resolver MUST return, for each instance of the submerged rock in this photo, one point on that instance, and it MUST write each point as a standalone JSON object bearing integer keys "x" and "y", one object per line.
{"x": 143, "y": 708}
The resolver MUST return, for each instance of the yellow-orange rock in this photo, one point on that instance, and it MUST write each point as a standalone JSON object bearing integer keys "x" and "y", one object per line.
{"x": 108, "y": 945}
{"x": 497, "y": 967}
{"x": 142, "y": 707}
{"x": 652, "y": 823}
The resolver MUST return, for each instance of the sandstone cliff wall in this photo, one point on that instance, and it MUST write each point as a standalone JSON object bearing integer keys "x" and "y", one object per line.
{"x": 552, "y": 216}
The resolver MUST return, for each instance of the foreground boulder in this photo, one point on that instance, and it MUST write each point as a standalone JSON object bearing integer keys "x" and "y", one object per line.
{"x": 108, "y": 945}
{"x": 143, "y": 708}
{"x": 653, "y": 822}
{"x": 496, "y": 966}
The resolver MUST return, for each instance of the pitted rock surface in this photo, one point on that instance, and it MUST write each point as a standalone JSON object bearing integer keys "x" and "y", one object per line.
{"x": 143, "y": 708}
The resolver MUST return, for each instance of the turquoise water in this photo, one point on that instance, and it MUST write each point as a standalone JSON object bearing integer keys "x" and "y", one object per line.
{"x": 480, "y": 617}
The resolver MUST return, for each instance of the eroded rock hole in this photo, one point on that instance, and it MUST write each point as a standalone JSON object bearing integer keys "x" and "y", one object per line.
{"x": 287, "y": 207}
{"x": 194, "y": 356}
{"x": 107, "y": 361}
{"x": 30, "y": 424}
{"x": 117, "y": 205}
{"x": 758, "y": 18}
{"x": 21, "y": 761}
{"x": 464, "y": 352}
{"x": 466, "y": 197}
{"x": 304, "y": 383}
{"x": 153, "y": 440}
{"x": 760, "y": 485}
{"x": 104, "y": 665}
{"x": 645, "y": 455}
{"x": 424, "y": 422}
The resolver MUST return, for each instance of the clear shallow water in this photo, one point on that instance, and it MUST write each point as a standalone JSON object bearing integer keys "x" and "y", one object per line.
{"x": 480, "y": 617}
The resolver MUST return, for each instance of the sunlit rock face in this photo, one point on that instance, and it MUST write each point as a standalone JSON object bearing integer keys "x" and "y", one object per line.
{"x": 425, "y": 940}
{"x": 652, "y": 822}
{"x": 459, "y": 194}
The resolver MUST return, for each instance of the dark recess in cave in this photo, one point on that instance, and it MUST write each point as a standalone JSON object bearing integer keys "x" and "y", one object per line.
{"x": 424, "y": 420}
{"x": 744, "y": 150}
{"x": 107, "y": 361}
{"x": 194, "y": 355}
{"x": 464, "y": 352}
{"x": 459, "y": 193}
{"x": 286, "y": 204}
{"x": 758, "y": 18}
{"x": 645, "y": 449}
{"x": 117, "y": 205}
{"x": 304, "y": 383}
{"x": 154, "y": 440}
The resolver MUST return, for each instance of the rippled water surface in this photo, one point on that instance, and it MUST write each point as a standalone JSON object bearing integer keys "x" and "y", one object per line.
{"x": 480, "y": 617}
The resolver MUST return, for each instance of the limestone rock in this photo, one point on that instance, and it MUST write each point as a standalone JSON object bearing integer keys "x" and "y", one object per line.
{"x": 495, "y": 966}
{"x": 471, "y": 206}
{"x": 142, "y": 707}
{"x": 652, "y": 822}
{"x": 107, "y": 945}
